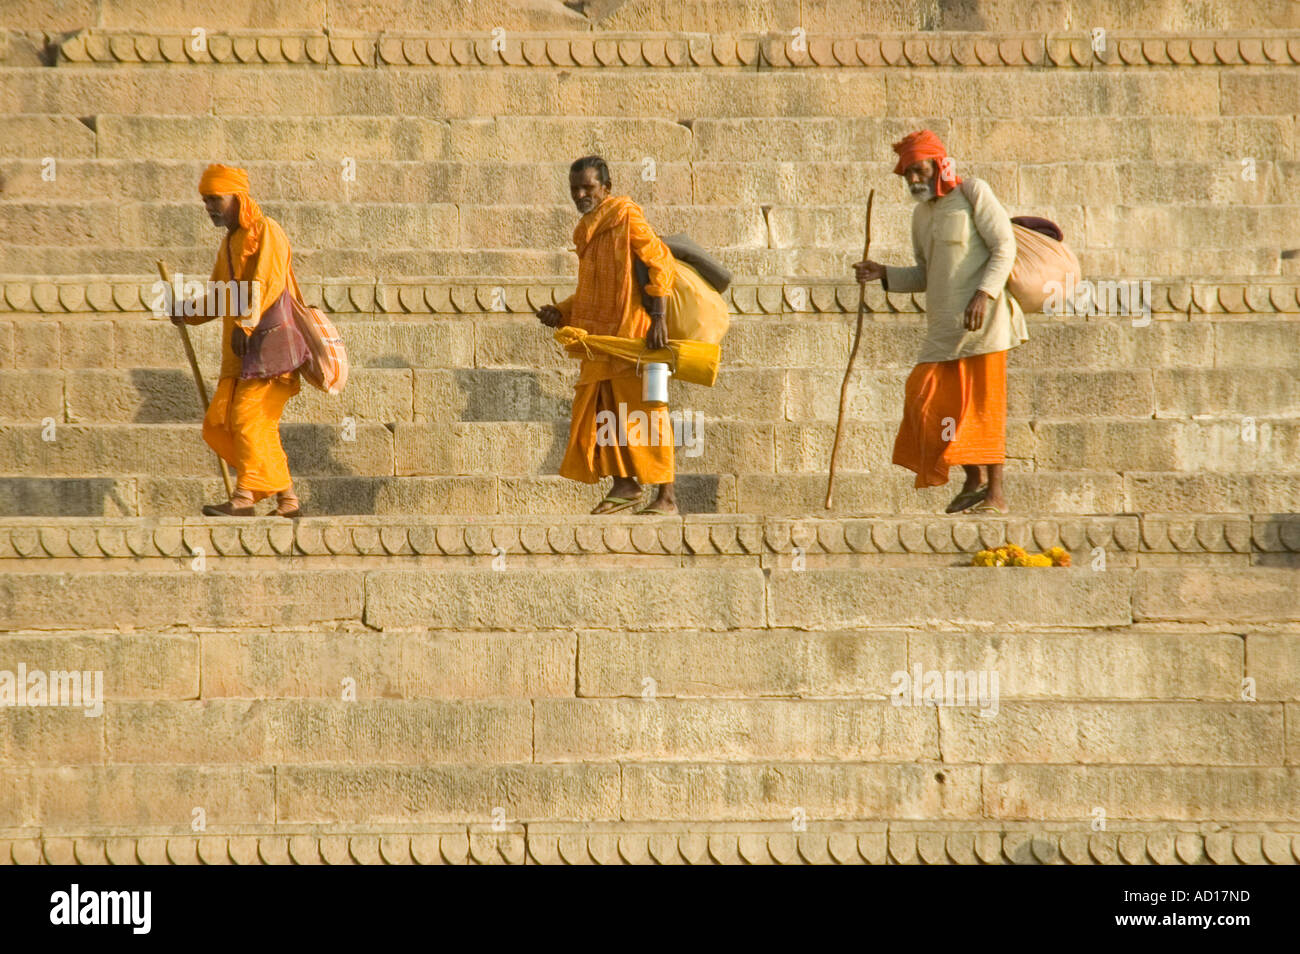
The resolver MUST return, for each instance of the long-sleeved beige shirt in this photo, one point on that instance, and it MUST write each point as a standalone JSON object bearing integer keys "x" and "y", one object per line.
{"x": 962, "y": 246}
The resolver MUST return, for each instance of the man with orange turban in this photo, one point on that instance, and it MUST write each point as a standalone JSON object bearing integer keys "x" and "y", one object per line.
{"x": 611, "y": 235}
{"x": 261, "y": 348}
{"x": 955, "y": 403}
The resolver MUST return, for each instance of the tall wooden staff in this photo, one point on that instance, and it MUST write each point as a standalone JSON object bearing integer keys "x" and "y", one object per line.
{"x": 198, "y": 375}
{"x": 857, "y": 340}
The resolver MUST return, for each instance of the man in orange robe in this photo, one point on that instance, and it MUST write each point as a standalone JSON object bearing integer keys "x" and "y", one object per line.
{"x": 243, "y": 420}
{"x": 955, "y": 402}
{"x": 609, "y": 237}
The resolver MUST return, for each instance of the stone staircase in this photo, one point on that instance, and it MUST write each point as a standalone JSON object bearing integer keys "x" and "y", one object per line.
{"x": 459, "y": 405}
{"x": 447, "y": 661}
{"x": 703, "y": 689}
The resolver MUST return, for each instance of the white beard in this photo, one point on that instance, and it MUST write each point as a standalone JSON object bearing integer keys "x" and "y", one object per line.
{"x": 921, "y": 191}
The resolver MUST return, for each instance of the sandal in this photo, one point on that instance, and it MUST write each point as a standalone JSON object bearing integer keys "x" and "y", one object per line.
{"x": 967, "y": 499}
{"x": 989, "y": 508}
{"x": 648, "y": 511}
{"x": 620, "y": 503}
{"x": 227, "y": 510}
{"x": 286, "y": 504}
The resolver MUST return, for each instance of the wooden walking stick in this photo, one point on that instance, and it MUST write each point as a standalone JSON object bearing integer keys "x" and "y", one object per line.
{"x": 853, "y": 354}
{"x": 198, "y": 375}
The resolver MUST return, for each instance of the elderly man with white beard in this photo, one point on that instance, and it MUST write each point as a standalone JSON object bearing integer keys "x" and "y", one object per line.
{"x": 955, "y": 405}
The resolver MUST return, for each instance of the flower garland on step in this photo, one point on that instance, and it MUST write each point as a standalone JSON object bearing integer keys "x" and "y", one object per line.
{"x": 1012, "y": 555}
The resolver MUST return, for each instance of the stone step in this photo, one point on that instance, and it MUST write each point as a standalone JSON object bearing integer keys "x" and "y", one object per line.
{"x": 889, "y": 491}
{"x": 610, "y": 16}
{"x": 556, "y": 731}
{"x": 838, "y": 15}
{"x": 89, "y": 226}
{"x": 151, "y": 15}
{"x": 801, "y": 265}
{"x": 544, "y": 182}
{"x": 161, "y": 797}
{"x": 757, "y": 395}
{"x": 803, "y": 347}
{"x": 533, "y": 448}
{"x": 1121, "y": 665}
{"x": 871, "y": 105}
{"x": 721, "y": 595}
{"x": 1157, "y": 105}
{"x": 513, "y": 264}
{"x": 387, "y": 226}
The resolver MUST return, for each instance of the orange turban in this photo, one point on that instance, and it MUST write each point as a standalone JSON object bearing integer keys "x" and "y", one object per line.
{"x": 926, "y": 145}
{"x": 228, "y": 180}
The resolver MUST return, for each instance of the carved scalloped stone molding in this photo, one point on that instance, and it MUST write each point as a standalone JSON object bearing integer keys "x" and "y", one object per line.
{"x": 152, "y": 538}
{"x": 90, "y": 294}
{"x": 666, "y": 51}
{"x": 604, "y": 844}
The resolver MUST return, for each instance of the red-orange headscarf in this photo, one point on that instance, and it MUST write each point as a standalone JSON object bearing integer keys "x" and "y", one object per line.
{"x": 926, "y": 145}
{"x": 228, "y": 180}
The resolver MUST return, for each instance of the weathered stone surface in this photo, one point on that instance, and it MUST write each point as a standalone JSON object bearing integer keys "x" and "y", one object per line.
{"x": 52, "y": 736}
{"x": 1109, "y": 665}
{"x": 517, "y": 599}
{"x": 146, "y": 795}
{"x": 54, "y": 601}
{"x": 708, "y": 791}
{"x": 389, "y": 666}
{"x": 732, "y": 730}
{"x": 976, "y": 596}
{"x": 135, "y": 665}
{"x": 1256, "y": 595}
{"x": 399, "y": 731}
{"x": 1273, "y": 661}
{"x": 1187, "y": 793}
{"x": 405, "y": 794}
{"x": 495, "y": 665}
{"x": 753, "y": 663}
{"x": 1141, "y": 733}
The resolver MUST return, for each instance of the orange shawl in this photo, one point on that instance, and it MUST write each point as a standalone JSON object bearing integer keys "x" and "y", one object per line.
{"x": 608, "y": 239}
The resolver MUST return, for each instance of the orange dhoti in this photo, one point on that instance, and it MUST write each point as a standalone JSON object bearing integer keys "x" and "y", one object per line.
{"x": 954, "y": 413}
{"x": 243, "y": 426}
{"x": 612, "y": 432}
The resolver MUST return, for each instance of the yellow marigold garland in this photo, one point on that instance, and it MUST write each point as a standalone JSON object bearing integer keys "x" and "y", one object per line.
{"x": 1012, "y": 555}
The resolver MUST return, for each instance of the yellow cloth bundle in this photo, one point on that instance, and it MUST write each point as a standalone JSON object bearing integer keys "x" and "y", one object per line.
{"x": 695, "y": 311}
{"x": 695, "y": 362}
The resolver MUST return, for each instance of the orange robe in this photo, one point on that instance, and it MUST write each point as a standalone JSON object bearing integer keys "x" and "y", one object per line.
{"x": 954, "y": 412}
{"x": 608, "y": 392}
{"x": 243, "y": 420}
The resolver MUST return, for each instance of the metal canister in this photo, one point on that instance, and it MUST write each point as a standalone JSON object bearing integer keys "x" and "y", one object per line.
{"x": 654, "y": 383}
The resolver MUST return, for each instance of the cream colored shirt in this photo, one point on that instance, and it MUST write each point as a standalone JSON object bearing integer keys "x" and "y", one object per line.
{"x": 962, "y": 247}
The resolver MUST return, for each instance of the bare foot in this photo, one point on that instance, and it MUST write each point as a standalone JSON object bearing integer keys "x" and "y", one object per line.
{"x": 664, "y": 503}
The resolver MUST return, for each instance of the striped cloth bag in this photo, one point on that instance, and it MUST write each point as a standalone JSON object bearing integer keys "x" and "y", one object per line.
{"x": 327, "y": 368}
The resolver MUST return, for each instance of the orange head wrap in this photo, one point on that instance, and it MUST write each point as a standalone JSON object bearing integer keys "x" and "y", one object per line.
{"x": 228, "y": 180}
{"x": 926, "y": 145}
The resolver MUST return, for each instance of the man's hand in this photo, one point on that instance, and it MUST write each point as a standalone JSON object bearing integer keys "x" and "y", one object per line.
{"x": 868, "y": 271}
{"x": 550, "y": 316}
{"x": 178, "y": 317}
{"x": 657, "y": 336}
{"x": 238, "y": 341}
{"x": 975, "y": 310}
